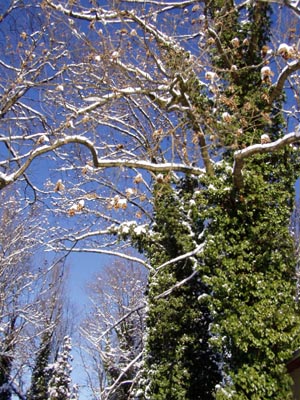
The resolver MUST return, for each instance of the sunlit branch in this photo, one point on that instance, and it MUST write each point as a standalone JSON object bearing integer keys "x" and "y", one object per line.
{"x": 159, "y": 36}
{"x": 118, "y": 322}
{"x": 110, "y": 389}
{"x": 192, "y": 253}
{"x": 106, "y": 252}
{"x": 181, "y": 4}
{"x": 100, "y": 101}
{"x": 241, "y": 155}
{"x": 277, "y": 88}
{"x": 7, "y": 179}
{"x": 100, "y": 15}
{"x": 89, "y": 234}
{"x": 98, "y": 163}
{"x": 176, "y": 286}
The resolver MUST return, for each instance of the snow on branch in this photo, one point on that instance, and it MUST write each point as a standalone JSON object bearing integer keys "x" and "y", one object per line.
{"x": 152, "y": 167}
{"x": 277, "y": 88}
{"x": 115, "y": 385}
{"x": 241, "y": 155}
{"x": 88, "y": 16}
{"x": 164, "y": 3}
{"x": 98, "y": 163}
{"x": 159, "y": 36}
{"x": 100, "y": 101}
{"x": 7, "y": 179}
{"x": 176, "y": 286}
{"x": 98, "y": 339}
{"x": 102, "y": 251}
{"x": 192, "y": 253}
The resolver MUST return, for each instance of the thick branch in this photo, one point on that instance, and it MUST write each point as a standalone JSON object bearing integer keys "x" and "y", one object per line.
{"x": 205, "y": 155}
{"x": 192, "y": 253}
{"x": 7, "y": 179}
{"x": 98, "y": 163}
{"x": 111, "y": 389}
{"x": 277, "y": 88}
{"x": 152, "y": 167}
{"x": 241, "y": 155}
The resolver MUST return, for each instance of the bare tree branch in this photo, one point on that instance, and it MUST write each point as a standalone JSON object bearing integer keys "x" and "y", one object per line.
{"x": 277, "y": 88}
{"x": 241, "y": 155}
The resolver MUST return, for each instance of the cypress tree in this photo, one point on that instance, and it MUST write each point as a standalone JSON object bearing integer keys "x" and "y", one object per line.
{"x": 180, "y": 363}
{"x": 40, "y": 375}
{"x": 6, "y": 360}
{"x": 60, "y": 381}
{"x": 5, "y": 368}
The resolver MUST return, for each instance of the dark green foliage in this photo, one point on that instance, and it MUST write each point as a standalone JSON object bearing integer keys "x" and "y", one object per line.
{"x": 59, "y": 385}
{"x": 6, "y": 360}
{"x": 40, "y": 375}
{"x": 179, "y": 361}
{"x": 250, "y": 255}
{"x": 5, "y": 367}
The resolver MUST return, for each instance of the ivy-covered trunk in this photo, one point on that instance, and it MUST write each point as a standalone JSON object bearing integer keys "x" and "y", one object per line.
{"x": 250, "y": 255}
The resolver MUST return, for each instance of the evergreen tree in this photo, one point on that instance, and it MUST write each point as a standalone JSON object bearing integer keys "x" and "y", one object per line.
{"x": 5, "y": 369}
{"x": 249, "y": 249}
{"x": 40, "y": 375}
{"x": 180, "y": 363}
{"x": 60, "y": 381}
{"x": 6, "y": 358}
{"x": 251, "y": 262}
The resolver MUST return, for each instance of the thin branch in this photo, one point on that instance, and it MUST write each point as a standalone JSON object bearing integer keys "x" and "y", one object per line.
{"x": 118, "y": 322}
{"x": 219, "y": 46}
{"x": 176, "y": 286}
{"x": 106, "y": 252}
{"x": 124, "y": 370}
{"x": 182, "y": 257}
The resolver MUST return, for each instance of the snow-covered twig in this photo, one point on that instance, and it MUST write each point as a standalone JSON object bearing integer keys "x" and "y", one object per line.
{"x": 192, "y": 253}
{"x": 177, "y": 285}
{"x": 124, "y": 370}
{"x": 106, "y": 252}
{"x": 118, "y": 322}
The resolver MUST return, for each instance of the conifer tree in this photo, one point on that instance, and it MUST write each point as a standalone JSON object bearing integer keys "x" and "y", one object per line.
{"x": 59, "y": 386}
{"x": 5, "y": 370}
{"x": 180, "y": 363}
{"x": 40, "y": 375}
